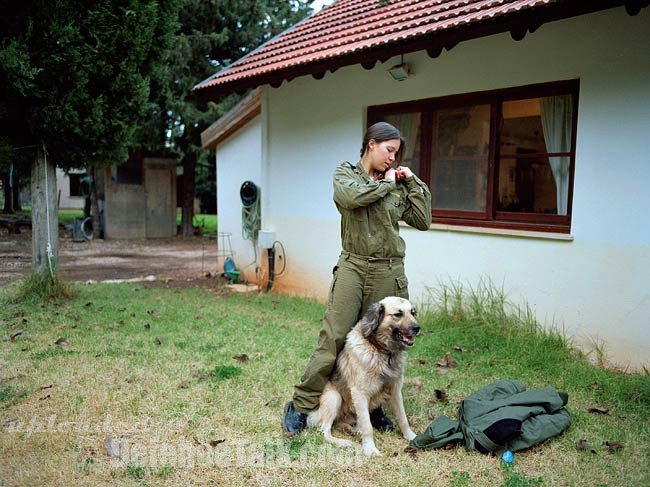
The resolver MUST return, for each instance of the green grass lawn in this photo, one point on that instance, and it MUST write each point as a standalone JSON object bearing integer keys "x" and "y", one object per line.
{"x": 191, "y": 384}
{"x": 207, "y": 223}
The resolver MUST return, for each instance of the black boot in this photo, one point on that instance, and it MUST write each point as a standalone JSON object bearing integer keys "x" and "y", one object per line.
{"x": 380, "y": 421}
{"x": 293, "y": 421}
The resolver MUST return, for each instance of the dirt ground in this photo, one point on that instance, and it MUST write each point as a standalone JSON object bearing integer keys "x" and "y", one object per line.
{"x": 177, "y": 259}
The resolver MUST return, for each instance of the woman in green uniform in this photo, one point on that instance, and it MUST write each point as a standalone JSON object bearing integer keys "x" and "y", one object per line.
{"x": 372, "y": 197}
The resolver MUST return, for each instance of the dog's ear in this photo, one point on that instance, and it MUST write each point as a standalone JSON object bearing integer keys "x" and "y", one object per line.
{"x": 372, "y": 319}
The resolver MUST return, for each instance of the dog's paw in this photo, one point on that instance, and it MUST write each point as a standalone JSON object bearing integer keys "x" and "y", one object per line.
{"x": 341, "y": 443}
{"x": 371, "y": 451}
{"x": 409, "y": 435}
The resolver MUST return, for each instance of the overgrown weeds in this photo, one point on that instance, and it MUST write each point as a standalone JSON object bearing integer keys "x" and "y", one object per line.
{"x": 43, "y": 287}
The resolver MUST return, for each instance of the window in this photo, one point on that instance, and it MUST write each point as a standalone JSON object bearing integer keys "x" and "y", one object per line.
{"x": 129, "y": 172}
{"x": 496, "y": 159}
{"x": 76, "y": 183}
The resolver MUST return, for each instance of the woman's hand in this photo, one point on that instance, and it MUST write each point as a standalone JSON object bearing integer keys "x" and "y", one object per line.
{"x": 391, "y": 175}
{"x": 403, "y": 172}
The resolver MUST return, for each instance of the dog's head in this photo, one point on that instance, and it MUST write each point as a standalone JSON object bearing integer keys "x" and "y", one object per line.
{"x": 391, "y": 322}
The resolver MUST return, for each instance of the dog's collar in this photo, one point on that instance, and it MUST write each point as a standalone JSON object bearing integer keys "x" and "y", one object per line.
{"x": 381, "y": 348}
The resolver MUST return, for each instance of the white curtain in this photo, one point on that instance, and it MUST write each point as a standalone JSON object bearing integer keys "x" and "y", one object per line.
{"x": 557, "y": 117}
{"x": 408, "y": 124}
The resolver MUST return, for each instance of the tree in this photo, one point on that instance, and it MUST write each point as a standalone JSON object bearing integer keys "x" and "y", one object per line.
{"x": 212, "y": 34}
{"x": 74, "y": 83}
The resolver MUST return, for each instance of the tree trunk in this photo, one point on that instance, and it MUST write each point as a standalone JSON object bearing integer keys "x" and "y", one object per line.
{"x": 96, "y": 206}
{"x": 45, "y": 216}
{"x": 8, "y": 208}
{"x": 189, "y": 171}
{"x": 16, "y": 193}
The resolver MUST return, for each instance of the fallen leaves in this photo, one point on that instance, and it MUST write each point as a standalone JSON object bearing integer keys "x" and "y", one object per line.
{"x": 15, "y": 334}
{"x": 584, "y": 445}
{"x": 447, "y": 361}
{"x": 440, "y": 395}
{"x": 273, "y": 401}
{"x": 610, "y": 446}
{"x": 613, "y": 446}
{"x": 412, "y": 452}
{"x": 211, "y": 443}
{"x": 242, "y": 357}
{"x": 597, "y": 410}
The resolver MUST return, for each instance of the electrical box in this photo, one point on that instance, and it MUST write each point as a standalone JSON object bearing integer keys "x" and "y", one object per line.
{"x": 265, "y": 239}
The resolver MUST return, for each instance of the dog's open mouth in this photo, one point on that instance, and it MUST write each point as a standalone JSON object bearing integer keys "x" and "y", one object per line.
{"x": 407, "y": 340}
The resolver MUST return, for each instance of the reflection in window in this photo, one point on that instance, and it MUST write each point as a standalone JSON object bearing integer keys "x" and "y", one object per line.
{"x": 461, "y": 141}
{"x": 409, "y": 126}
{"x": 531, "y": 179}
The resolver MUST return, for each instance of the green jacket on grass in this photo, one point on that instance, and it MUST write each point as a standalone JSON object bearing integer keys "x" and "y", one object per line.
{"x": 501, "y": 416}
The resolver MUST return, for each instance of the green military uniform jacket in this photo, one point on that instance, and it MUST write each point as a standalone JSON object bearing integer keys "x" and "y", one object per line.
{"x": 501, "y": 416}
{"x": 371, "y": 210}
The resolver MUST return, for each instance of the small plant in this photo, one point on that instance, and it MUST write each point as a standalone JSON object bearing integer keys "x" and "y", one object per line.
{"x": 460, "y": 479}
{"x": 221, "y": 372}
{"x": 6, "y": 394}
{"x": 45, "y": 287}
{"x": 135, "y": 471}
{"x": 516, "y": 479}
{"x": 164, "y": 471}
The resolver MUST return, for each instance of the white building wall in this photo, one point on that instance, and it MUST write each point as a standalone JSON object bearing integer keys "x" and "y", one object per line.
{"x": 596, "y": 286}
{"x": 238, "y": 159}
{"x": 66, "y": 202}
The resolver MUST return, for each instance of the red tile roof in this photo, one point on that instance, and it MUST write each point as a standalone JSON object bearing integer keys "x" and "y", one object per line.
{"x": 364, "y": 31}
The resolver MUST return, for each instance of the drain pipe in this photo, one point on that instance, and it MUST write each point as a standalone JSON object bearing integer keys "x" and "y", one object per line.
{"x": 266, "y": 241}
{"x": 271, "y": 253}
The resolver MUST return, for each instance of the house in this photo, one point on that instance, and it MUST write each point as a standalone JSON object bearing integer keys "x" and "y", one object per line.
{"x": 138, "y": 198}
{"x": 70, "y": 195}
{"x": 528, "y": 119}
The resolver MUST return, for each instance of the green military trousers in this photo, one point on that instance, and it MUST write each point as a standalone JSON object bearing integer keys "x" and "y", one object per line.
{"x": 357, "y": 283}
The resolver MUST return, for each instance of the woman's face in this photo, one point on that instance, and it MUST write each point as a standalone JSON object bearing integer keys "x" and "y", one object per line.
{"x": 382, "y": 154}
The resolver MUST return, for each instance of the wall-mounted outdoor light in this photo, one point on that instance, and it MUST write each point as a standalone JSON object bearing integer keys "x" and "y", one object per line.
{"x": 400, "y": 71}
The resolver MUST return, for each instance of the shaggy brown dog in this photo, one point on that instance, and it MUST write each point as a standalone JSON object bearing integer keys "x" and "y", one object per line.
{"x": 368, "y": 373}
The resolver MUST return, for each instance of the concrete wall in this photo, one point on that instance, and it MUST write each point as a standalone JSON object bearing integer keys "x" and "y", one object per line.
{"x": 147, "y": 210}
{"x": 596, "y": 284}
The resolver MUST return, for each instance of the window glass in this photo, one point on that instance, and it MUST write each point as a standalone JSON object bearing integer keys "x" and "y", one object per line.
{"x": 527, "y": 185}
{"x": 75, "y": 183}
{"x": 533, "y": 129}
{"x": 459, "y": 156}
{"x": 129, "y": 172}
{"x": 409, "y": 126}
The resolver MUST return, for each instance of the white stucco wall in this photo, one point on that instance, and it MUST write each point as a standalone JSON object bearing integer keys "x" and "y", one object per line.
{"x": 66, "y": 202}
{"x": 596, "y": 286}
{"x": 239, "y": 158}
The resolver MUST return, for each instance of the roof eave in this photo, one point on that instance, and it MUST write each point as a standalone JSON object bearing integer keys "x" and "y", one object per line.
{"x": 518, "y": 24}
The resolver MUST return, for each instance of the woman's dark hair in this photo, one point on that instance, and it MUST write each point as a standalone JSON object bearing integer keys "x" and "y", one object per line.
{"x": 380, "y": 132}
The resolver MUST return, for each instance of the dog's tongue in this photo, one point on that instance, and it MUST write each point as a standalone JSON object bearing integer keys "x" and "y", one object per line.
{"x": 408, "y": 340}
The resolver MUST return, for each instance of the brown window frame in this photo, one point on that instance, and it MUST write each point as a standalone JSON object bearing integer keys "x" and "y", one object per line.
{"x": 490, "y": 218}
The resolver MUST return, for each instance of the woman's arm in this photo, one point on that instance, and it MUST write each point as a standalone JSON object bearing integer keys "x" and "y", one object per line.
{"x": 418, "y": 198}
{"x": 351, "y": 193}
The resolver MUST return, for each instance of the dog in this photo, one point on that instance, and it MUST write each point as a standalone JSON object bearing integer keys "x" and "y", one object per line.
{"x": 368, "y": 373}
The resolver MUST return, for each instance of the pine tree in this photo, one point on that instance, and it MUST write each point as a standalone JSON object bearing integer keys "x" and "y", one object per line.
{"x": 74, "y": 84}
{"x": 212, "y": 35}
